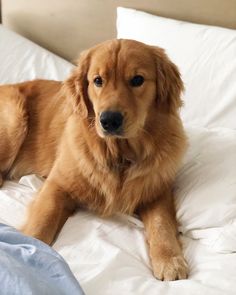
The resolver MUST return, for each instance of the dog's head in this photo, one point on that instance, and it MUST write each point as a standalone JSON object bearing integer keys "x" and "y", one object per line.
{"x": 122, "y": 84}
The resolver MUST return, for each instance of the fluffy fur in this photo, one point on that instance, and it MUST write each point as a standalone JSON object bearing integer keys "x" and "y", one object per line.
{"x": 52, "y": 129}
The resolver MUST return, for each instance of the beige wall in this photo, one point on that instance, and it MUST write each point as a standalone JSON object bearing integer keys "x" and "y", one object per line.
{"x": 68, "y": 26}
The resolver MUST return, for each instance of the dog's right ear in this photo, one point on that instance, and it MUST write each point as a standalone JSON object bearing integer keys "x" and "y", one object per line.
{"x": 76, "y": 85}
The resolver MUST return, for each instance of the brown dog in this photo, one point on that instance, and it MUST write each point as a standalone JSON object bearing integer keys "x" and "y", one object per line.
{"x": 108, "y": 139}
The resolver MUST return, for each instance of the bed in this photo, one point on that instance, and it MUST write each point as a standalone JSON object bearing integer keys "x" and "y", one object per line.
{"x": 109, "y": 256}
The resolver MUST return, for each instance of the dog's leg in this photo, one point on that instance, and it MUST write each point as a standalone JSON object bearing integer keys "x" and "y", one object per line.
{"x": 48, "y": 213}
{"x": 165, "y": 250}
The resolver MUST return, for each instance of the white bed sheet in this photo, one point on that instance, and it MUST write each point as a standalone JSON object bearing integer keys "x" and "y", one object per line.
{"x": 107, "y": 256}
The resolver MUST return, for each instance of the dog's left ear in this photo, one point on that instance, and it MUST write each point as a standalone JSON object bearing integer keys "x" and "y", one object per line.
{"x": 169, "y": 82}
{"x": 76, "y": 86}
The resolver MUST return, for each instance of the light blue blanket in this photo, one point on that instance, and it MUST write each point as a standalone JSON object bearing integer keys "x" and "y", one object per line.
{"x": 28, "y": 266}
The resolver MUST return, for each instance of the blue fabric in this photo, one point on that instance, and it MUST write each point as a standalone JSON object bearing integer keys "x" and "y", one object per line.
{"x": 28, "y": 266}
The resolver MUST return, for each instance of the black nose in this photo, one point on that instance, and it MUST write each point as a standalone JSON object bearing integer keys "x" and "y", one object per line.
{"x": 111, "y": 121}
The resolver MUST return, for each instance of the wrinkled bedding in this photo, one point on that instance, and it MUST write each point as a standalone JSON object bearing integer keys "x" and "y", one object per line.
{"x": 109, "y": 256}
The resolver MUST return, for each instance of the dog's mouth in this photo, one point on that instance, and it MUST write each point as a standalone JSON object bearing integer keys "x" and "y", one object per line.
{"x": 117, "y": 133}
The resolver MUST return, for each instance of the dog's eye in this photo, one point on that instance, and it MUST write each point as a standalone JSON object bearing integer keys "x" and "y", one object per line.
{"x": 137, "y": 81}
{"x": 98, "y": 81}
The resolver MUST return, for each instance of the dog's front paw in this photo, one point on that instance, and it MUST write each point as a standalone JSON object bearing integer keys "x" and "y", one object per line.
{"x": 171, "y": 268}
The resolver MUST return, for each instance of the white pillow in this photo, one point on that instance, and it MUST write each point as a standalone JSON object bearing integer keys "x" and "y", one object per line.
{"x": 22, "y": 60}
{"x": 206, "y": 188}
{"x": 206, "y": 56}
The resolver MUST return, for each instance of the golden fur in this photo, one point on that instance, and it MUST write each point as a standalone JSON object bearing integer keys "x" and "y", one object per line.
{"x": 52, "y": 129}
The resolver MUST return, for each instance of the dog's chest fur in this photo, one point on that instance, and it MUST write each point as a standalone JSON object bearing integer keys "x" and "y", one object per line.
{"x": 111, "y": 190}
{"x": 110, "y": 176}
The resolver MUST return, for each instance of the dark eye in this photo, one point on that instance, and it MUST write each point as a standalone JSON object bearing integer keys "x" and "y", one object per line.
{"x": 98, "y": 81}
{"x": 137, "y": 81}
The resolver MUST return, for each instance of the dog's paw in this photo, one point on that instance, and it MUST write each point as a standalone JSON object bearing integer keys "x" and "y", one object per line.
{"x": 170, "y": 269}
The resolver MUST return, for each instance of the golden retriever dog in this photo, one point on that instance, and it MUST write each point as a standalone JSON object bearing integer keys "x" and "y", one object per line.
{"x": 108, "y": 139}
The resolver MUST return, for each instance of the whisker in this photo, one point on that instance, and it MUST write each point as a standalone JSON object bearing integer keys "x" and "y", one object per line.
{"x": 92, "y": 123}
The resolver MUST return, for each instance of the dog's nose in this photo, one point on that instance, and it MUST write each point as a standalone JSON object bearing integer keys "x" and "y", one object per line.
{"x": 111, "y": 121}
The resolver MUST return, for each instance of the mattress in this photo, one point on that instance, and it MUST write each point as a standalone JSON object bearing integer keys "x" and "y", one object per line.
{"x": 107, "y": 256}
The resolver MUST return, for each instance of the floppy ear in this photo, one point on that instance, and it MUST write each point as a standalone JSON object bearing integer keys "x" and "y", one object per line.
{"x": 169, "y": 82}
{"x": 77, "y": 84}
